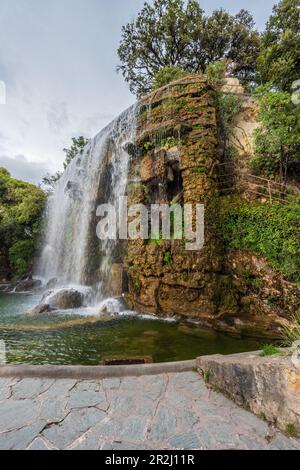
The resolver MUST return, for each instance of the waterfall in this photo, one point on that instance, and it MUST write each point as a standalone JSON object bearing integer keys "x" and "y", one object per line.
{"x": 72, "y": 253}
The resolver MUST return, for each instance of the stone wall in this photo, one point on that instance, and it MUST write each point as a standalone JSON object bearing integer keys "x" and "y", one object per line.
{"x": 268, "y": 386}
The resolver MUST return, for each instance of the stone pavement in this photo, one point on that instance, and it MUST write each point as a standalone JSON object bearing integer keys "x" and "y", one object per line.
{"x": 168, "y": 411}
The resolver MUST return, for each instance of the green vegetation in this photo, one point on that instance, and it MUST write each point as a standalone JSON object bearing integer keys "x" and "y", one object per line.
{"x": 291, "y": 430}
{"x": 277, "y": 140}
{"x": 149, "y": 146}
{"x": 168, "y": 260}
{"x": 291, "y": 333}
{"x": 21, "y": 206}
{"x": 271, "y": 231}
{"x": 166, "y": 75}
{"x": 169, "y": 142}
{"x": 77, "y": 147}
{"x": 270, "y": 350}
{"x": 279, "y": 61}
{"x": 215, "y": 73}
{"x": 200, "y": 170}
{"x": 207, "y": 375}
{"x": 78, "y": 144}
{"x": 172, "y": 35}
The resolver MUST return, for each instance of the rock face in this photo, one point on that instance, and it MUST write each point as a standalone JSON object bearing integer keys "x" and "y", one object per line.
{"x": 176, "y": 160}
{"x": 63, "y": 299}
{"x": 268, "y": 386}
{"x": 164, "y": 278}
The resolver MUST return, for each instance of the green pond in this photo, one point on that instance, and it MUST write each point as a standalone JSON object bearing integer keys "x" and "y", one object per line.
{"x": 57, "y": 339}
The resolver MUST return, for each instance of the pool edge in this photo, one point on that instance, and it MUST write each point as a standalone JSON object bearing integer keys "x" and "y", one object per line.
{"x": 94, "y": 372}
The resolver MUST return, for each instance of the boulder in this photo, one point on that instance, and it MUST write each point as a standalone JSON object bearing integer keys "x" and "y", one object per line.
{"x": 28, "y": 284}
{"x": 64, "y": 299}
{"x": 52, "y": 283}
{"x": 39, "y": 310}
{"x": 110, "y": 307}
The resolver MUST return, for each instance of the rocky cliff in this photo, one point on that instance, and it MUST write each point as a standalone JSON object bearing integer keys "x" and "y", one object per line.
{"x": 176, "y": 159}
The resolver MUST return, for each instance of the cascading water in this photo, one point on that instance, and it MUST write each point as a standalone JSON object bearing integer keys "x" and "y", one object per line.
{"x": 72, "y": 253}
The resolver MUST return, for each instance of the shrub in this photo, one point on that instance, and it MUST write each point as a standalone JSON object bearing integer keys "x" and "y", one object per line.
{"x": 20, "y": 255}
{"x": 167, "y": 75}
{"x": 271, "y": 231}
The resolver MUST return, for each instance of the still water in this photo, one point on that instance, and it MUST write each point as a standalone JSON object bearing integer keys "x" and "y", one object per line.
{"x": 59, "y": 339}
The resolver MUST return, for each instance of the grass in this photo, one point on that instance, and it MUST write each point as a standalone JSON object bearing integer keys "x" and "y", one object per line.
{"x": 206, "y": 376}
{"x": 291, "y": 430}
{"x": 270, "y": 350}
{"x": 291, "y": 333}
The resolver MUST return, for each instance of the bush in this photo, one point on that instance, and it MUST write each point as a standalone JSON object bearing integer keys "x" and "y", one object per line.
{"x": 216, "y": 73}
{"x": 271, "y": 231}
{"x": 167, "y": 75}
{"x": 20, "y": 256}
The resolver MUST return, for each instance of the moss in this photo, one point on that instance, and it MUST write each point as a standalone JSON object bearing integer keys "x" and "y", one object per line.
{"x": 168, "y": 260}
{"x": 200, "y": 170}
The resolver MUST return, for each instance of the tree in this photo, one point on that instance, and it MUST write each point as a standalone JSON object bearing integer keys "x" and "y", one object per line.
{"x": 167, "y": 75}
{"x": 279, "y": 61}
{"x": 78, "y": 144}
{"x": 21, "y": 209}
{"x": 278, "y": 137}
{"x": 174, "y": 33}
{"x": 50, "y": 180}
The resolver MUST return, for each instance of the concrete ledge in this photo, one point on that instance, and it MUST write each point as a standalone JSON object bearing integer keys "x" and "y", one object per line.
{"x": 94, "y": 372}
{"x": 268, "y": 386}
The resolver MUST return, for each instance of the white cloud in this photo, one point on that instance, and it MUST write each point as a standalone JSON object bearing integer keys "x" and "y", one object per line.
{"x": 22, "y": 168}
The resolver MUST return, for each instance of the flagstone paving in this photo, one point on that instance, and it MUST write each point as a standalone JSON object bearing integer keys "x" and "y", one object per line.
{"x": 168, "y": 411}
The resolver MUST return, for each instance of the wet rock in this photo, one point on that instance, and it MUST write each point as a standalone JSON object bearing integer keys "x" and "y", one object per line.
{"x": 52, "y": 283}
{"x": 39, "y": 310}
{"x": 28, "y": 284}
{"x": 64, "y": 299}
{"x": 109, "y": 307}
{"x": 6, "y": 287}
{"x": 73, "y": 190}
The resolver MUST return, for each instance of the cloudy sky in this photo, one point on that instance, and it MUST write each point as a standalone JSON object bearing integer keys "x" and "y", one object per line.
{"x": 58, "y": 61}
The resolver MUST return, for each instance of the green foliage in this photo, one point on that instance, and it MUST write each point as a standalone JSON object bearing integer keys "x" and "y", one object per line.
{"x": 168, "y": 260}
{"x": 174, "y": 35}
{"x": 149, "y": 146}
{"x": 291, "y": 333}
{"x": 200, "y": 170}
{"x": 292, "y": 430}
{"x": 207, "y": 375}
{"x": 21, "y": 207}
{"x": 277, "y": 140}
{"x": 77, "y": 147}
{"x": 166, "y": 75}
{"x": 78, "y": 144}
{"x": 229, "y": 106}
{"x": 20, "y": 255}
{"x": 169, "y": 142}
{"x": 279, "y": 61}
{"x": 271, "y": 231}
{"x": 270, "y": 350}
{"x": 216, "y": 73}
